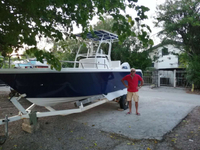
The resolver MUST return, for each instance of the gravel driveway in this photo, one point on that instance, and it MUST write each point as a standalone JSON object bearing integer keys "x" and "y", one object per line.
{"x": 104, "y": 127}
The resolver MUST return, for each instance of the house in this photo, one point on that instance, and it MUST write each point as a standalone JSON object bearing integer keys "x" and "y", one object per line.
{"x": 166, "y": 61}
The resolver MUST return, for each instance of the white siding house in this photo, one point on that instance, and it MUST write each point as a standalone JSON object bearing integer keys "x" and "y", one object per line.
{"x": 166, "y": 58}
{"x": 167, "y": 63}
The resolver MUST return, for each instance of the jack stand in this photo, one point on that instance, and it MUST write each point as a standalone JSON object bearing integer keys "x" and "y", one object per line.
{"x": 30, "y": 124}
{"x": 4, "y": 138}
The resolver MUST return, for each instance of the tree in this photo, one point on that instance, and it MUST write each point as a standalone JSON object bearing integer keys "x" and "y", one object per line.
{"x": 131, "y": 50}
{"x": 180, "y": 20}
{"x": 22, "y": 21}
{"x": 106, "y": 24}
{"x": 193, "y": 71}
{"x": 1, "y": 62}
{"x": 65, "y": 50}
{"x": 132, "y": 53}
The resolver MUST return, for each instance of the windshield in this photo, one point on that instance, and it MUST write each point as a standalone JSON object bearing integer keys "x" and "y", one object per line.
{"x": 90, "y": 50}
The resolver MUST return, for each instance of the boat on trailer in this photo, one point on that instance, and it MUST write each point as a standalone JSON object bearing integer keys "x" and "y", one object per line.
{"x": 93, "y": 74}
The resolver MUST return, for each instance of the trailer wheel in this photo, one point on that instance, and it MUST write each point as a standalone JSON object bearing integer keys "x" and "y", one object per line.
{"x": 123, "y": 102}
{"x": 2, "y": 140}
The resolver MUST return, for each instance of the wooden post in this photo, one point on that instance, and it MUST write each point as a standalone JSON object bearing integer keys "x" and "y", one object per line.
{"x": 174, "y": 77}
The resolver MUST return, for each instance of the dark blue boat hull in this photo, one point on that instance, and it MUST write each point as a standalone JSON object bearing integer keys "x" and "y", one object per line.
{"x": 50, "y": 85}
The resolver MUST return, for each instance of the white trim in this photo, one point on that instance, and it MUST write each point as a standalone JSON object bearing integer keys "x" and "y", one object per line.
{"x": 113, "y": 95}
{"x": 55, "y": 100}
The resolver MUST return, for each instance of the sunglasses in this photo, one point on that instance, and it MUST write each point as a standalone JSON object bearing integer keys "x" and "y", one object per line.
{"x": 132, "y": 71}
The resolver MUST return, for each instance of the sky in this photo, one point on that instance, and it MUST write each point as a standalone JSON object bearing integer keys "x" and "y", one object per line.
{"x": 151, "y": 4}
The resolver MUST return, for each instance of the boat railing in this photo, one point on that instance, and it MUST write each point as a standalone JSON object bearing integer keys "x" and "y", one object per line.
{"x": 82, "y": 64}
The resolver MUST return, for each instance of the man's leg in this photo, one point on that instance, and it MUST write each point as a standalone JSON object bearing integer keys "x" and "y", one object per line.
{"x": 136, "y": 107}
{"x": 129, "y": 99}
{"x": 130, "y": 106}
{"x": 136, "y": 99}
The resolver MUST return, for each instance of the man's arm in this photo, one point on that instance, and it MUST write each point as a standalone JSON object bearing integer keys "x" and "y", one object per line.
{"x": 124, "y": 83}
{"x": 142, "y": 82}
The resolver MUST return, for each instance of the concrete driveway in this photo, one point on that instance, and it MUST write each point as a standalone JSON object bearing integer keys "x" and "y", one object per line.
{"x": 161, "y": 110}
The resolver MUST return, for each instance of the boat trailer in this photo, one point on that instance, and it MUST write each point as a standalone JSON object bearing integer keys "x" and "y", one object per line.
{"x": 32, "y": 116}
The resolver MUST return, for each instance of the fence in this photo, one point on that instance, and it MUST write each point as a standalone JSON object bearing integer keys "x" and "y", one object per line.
{"x": 166, "y": 78}
{"x": 181, "y": 79}
{"x": 150, "y": 77}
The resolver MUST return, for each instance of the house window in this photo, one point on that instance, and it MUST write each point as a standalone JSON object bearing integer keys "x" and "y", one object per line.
{"x": 165, "y": 51}
{"x": 152, "y": 65}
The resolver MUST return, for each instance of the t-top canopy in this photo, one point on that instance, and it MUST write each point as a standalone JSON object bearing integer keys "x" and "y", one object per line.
{"x": 100, "y": 35}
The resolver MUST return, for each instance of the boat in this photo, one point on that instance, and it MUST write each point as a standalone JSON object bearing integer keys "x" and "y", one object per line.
{"x": 31, "y": 63}
{"x": 93, "y": 74}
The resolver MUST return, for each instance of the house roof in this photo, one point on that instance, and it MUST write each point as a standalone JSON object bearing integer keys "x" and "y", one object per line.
{"x": 166, "y": 42}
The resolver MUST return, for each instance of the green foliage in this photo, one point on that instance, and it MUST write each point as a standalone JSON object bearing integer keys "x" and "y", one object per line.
{"x": 49, "y": 56}
{"x": 7, "y": 62}
{"x": 21, "y": 21}
{"x": 183, "y": 60}
{"x": 180, "y": 20}
{"x": 193, "y": 71}
{"x": 106, "y": 24}
{"x": 192, "y": 65}
{"x": 66, "y": 51}
{"x": 135, "y": 57}
{"x": 1, "y": 62}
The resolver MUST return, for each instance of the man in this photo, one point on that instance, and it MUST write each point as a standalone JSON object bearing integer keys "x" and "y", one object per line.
{"x": 132, "y": 89}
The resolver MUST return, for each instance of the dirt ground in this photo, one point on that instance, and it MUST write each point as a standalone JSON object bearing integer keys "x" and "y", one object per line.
{"x": 54, "y": 135}
{"x": 197, "y": 91}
